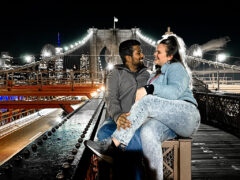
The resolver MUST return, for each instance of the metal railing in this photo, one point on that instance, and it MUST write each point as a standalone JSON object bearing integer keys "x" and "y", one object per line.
{"x": 13, "y": 115}
{"x": 220, "y": 110}
{"x": 40, "y": 78}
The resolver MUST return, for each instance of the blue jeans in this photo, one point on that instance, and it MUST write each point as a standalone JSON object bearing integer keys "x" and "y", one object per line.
{"x": 107, "y": 129}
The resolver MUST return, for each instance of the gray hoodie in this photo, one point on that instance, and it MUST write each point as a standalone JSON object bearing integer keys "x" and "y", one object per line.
{"x": 121, "y": 89}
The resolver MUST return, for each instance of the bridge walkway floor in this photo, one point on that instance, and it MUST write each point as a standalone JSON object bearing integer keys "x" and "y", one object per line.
{"x": 215, "y": 154}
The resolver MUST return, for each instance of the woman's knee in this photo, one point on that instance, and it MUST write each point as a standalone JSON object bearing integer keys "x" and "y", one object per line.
{"x": 148, "y": 130}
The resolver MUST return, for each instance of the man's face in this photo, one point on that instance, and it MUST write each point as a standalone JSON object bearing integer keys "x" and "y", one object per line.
{"x": 137, "y": 56}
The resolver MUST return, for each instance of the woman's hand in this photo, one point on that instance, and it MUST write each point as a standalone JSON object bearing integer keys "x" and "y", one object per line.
{"x": 140, "y": 93}
{"x": 122, "y": 121}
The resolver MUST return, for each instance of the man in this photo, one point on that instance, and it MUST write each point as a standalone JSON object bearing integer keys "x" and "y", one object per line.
{"x": 122, "y": 84}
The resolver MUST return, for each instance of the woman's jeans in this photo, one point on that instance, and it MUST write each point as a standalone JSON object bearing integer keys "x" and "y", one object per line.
{"x": 180, "y": 116}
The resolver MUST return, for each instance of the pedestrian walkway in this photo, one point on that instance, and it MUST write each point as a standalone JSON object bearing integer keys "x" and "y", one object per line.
{"x": 215, "y": 155}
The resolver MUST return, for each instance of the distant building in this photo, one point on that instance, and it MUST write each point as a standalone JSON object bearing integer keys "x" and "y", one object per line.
{"x": 5, "y": 61}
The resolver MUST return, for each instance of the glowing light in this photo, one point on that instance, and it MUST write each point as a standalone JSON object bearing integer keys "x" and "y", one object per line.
{"x": 221, "y": 57}
{"x": 110, "y": 66}
{"x": 115, "y": 19}
{"x": 197, "y": 53}
{"x": 94, "y": 94}
{"x": 58, "y": 50}
{"x": 102, "y": 88}
{"x": 29, "y": 58}
{"x": 46, "y": 54}
{"x": 98, "y": 90}
{"x": 66, "y": 48}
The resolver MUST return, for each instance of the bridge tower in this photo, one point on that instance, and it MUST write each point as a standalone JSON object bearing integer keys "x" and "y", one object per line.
{"x": 106, "y": 42}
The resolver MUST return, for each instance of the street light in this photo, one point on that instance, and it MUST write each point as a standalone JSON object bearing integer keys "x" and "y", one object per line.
{"x": 29, "y": 58}
{"x": 220, "y": 58}
{"x": 198, "y": 52}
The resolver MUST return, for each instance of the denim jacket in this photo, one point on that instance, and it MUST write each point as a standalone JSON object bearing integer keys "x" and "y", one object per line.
{"x": 173, "y": 83}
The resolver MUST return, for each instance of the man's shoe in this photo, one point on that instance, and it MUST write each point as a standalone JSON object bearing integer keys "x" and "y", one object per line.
{"x": 104, "y": 149}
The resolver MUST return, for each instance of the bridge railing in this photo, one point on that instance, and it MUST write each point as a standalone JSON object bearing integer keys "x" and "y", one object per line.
{"x": 14, "y": 114}
{"x": 40, "y": 78}
{"x": 220, "y": 110}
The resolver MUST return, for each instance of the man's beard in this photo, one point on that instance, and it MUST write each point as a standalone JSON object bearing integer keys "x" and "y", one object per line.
{"x": 140, "y": 65}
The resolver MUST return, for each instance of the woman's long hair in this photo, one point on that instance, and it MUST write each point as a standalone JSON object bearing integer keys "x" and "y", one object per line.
{"x": 175, "y": 47}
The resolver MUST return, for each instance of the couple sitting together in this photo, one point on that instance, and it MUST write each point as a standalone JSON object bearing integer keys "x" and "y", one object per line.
{"x": 145, "y": 110}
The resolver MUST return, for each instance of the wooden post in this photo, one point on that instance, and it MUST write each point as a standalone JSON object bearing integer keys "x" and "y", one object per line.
{"x": 185, "y": 159}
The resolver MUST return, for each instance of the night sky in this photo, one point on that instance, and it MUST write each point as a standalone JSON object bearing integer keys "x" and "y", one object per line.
{"x": 28, "y": 25}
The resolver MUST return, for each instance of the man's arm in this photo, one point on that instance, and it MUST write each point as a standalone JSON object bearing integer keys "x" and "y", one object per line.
{"x": 112, "y": 95}
{"x": 113, "y": 103}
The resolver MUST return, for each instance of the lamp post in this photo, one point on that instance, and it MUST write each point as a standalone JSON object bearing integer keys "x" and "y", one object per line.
{"x": 220, "y": 58}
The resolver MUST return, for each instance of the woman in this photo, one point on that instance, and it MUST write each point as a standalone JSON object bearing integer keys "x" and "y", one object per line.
{"x": 167, "y": 100}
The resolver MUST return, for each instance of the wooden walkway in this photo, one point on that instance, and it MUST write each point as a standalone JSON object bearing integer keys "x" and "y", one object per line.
{"x": 215, "y": 155}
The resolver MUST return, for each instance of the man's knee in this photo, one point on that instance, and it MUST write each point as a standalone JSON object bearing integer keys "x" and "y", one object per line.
{"x": 135, "y": 144}
{"x": 106, "y": 131}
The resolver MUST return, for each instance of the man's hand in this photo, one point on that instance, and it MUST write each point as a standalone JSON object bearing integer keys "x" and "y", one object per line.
{"x": 140, "y": 93}
{"x": 122, "y": 121}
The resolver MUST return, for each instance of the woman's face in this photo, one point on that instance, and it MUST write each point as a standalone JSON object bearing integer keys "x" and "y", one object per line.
{"x": 161, "y": 55}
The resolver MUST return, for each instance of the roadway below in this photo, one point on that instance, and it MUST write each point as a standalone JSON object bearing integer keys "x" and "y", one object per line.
{"x": 12, "y": 143}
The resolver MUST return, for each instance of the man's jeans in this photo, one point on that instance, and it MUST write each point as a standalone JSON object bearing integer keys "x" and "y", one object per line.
{"x": 107, "y": 129}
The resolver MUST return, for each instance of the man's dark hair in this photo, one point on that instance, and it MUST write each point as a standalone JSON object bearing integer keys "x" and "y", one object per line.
{"x": 126, "y": 48}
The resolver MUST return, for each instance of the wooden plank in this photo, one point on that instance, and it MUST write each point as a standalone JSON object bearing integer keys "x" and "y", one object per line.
{"x": 185, "y": 159}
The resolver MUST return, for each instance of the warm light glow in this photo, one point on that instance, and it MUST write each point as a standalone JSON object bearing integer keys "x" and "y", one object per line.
{"x": 102, "y": 88}
{"x": 94, "y": 94}
{"x": 98, "y": 90}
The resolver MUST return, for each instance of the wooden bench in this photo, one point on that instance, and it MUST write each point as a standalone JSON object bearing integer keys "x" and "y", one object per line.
{"x": 177, "y": 159}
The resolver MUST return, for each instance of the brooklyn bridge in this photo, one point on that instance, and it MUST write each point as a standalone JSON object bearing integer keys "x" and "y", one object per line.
{"x": 51, "y": 105}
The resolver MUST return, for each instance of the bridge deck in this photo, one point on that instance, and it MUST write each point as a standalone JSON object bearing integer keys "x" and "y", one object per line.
{"x": 215, "y": 154}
